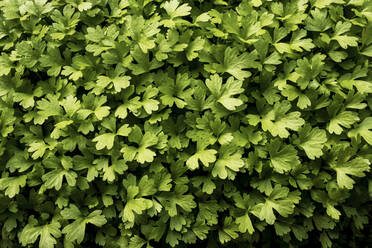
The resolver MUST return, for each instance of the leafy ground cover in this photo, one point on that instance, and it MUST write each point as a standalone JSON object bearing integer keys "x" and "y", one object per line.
{"x": 151, "y": 123}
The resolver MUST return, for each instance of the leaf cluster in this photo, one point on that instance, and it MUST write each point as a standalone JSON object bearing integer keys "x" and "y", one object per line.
{"x": 180, "y": 123}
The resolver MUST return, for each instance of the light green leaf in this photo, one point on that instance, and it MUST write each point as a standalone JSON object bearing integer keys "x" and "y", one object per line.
{"x": 84, "y": 6}
{"x": 124, "y": 130}
{"x": 136, "y": 242}
{"x": 283, "y": 157}
{"x": 18, "y": 162}
{"x": 104, "y": 140}
{"x": 229, "y": 160}
{"x": 355, "y": 167}
{"x": 174, "y": 9}
{"x": 280, "y": 200}
{"x": 12, "y": 185}
{"x": 324, "y": 3}
{"x": 205, "y": 156}
{"x": 277, "y": 120}
{"x": 343, "y": 119}
{"x": 363, "y": 130}
{"x": 76, "y": 230}
{"x": 245, "y": 224}
{"x": 135, "y": 206}
{"x": 47, "y": 233}
{"x": 311, "y": 141}
{"x": 102, "y": 112}
{"x": 367, "y": 51}
{"x": 223, "y": 93}
{"x": 54, "y": 178}
{"x": 344, "y": 40}
{"x": 195, "y": 46}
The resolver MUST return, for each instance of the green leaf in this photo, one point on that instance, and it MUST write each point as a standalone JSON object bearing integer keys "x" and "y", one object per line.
{"x": 174, "y": 9}
{"x": 5, "y": 64}
{"x": 283, "y": 157}
{"x": 143, "y": 123}
{"x": 233, "y": 63}
{"x": 142, "y": 31}
{"x": 73, "y": 73}
{"x": 344, "y": 40}
{"x": 195, "y": 46}
{"x": 343, "y": 119}
{"x": 102, "y": 112}
{"x": 324, "y": 240}
{"x": 308, "y": 70}
{"x": 104, "y": 140}
{"x": 118, "y": 82}
{"x": 12, "y": 185}
{"x": 136, "y": 242}
{"x": 205, "y": 156}
{"x": 76, "y": 230}
{"x": 176, "y": 92}
{"x": 47, "y": 233}
{"x": 201, "y": 230}
{"x": 84, "y": 6}
{"x": 229, "y": 160}
{"x": 319, "y": 21}
{"x": 144, "y": 64}
{"x": 245, "y": 224}
{"x": 367, "y": 51}
{"x": 298, "y": 43}
{"x": 363, "y": 130}
{"x": 54, "y": 178}
{"x": 223, "y": 93}
{"x": 36, "y": 7}
{"x": 170, "y": 201}
{"x": 124, "y": 130}
{"x": 72, "y": 212}
{"x": 292, "y": 92}
{"x": 142, "y": 153}
{"x": 18, "y": 162}
{"x": 38, "y": 148}
{"x": 324, "y": 3}
{"x": 53, "y": 60}
{"x": 337, "y": 56}
{"x": 344, "y": 169}
{"x": 135, "y": 206}
{"x": 148, "y": 103}
{"x": 228, "y": 231}
{"x": 96, "y": 218}
{"x": 280, "y": 200}
{"x": 277, "y": 120}
{"x": 311, "y": 141}
{"x": 71, "y": 105}
{"x": 50, "y": 107}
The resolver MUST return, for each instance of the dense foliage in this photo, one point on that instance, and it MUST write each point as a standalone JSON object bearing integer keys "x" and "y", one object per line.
{"x": 180, "y": 123}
